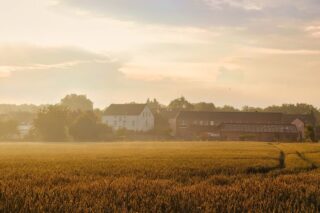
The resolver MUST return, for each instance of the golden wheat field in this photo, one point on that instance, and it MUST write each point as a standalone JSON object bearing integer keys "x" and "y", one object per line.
{"x": 159, "y": 177}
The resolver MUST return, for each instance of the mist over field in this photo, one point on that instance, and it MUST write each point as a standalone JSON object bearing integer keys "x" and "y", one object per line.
{"x": 159, "y": 106}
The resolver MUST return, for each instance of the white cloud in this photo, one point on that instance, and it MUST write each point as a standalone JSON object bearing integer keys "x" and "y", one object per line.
{"x": 244, "y": 4}
{"x": 283, "y": 51}
{"x": 28, "y": 55}
{"x": 313, "y": 30}
{"x": 168, "y": 48}
{"x": 25, "y": 57}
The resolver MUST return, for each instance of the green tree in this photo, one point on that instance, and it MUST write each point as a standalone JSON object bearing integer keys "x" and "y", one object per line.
{"x": 98, "y": 113}
{"x": 8, "y": 108}
{"x": 77, "y": 103}
{"x": 51, "y": 123}
{"x": 154, "y": 105}
{"x": 162, "y": 127}
{"x": 87, "y": 127}
{"x": 180, "y": 104}
{"x": 310, "y": 134}
{"x": 299, "y": 108}
{"x": 227, "y": 108}
{"x": 8, "y": 129}
{"x": 202, "y": 106}
{"x": 251, "y": 109}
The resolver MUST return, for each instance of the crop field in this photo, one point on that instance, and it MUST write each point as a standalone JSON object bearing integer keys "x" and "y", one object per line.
{"x": 159, "y": 177}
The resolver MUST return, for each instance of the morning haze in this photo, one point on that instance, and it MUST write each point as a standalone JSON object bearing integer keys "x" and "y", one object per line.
{"x": 231, "y": 52}
{"x": 159, "y": 106}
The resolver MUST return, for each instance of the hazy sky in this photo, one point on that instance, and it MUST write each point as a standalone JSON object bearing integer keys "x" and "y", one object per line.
{"x": 236, "y": 52}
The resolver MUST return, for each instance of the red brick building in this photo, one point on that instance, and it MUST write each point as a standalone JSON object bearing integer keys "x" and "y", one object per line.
{"x": 241, "y": 126}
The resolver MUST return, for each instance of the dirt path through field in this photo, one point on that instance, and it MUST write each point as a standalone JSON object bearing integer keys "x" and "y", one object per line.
{"x": 294, "y": 159}
{"x": 303, "y": 157}
{"x": 282, "y": 156}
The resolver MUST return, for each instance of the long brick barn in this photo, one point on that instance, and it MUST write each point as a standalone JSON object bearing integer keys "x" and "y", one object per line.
{"x": 240, "y": 126}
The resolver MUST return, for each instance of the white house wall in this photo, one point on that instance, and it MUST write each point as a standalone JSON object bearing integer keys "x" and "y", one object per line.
{"x": 24, "y": 129}
{"x": 122, "y": 122}
{"x": 143, "y": 122}
{"x": 146, "y": 120}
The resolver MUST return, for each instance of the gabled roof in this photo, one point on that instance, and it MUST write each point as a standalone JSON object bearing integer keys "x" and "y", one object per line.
{"x": 125, "y": 109}
{"x": 232, "y": 117}
{"x": 259, "y": 128}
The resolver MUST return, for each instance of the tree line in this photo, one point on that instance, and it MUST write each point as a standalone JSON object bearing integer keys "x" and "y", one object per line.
{"x": 299, "y": 108}
{"x": 75, "y": 119}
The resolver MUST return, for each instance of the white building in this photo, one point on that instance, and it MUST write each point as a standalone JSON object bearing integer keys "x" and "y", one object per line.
{"x": 134, "y": 117}
{"x": 24, "y": 129}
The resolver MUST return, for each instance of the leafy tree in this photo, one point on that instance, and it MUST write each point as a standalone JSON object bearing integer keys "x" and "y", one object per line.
{"x": 77, "y": 103}
{"x": 310, "y": 134}
{"x": 299, "y": 108}
{"x": 251, "y": 109}
{"x": 162, "y": 126}
{"x": 180, "y": 104}
{"x": 87, "y": 127}
{"x": 154, "y": 105}
{"x": 227, "y": 108}
{"x": 202, "y": 106}
{"x": 8, "y": 129}
{"x": 8, "y": 108}
{"x": 51, "y": 123}
{"x": 98, "y": 113}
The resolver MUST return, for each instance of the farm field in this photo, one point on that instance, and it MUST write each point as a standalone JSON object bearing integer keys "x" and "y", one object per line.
{"x": 159, "y": 177}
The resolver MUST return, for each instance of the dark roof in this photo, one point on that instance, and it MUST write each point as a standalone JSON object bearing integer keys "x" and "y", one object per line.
{"x": 259, "y": 128}
{"x": 169, "y": 114}
{"x": 125, "y": 109}
{"x": 308, "y": 119}
{"x": 247, "y": 117}
{"x": 232, "y": 117}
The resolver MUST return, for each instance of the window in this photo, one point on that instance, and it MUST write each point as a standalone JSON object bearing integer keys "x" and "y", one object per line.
{"x": 133, "y": 123}
{"x": 183, "y": 123}
{"x": 195, "y": 122}
{"x": 201, "y": 123}
{"x": 211, "y": 123}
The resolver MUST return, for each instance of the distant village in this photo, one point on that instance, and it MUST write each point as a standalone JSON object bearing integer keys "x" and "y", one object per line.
{"x": 75, "y": 119}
